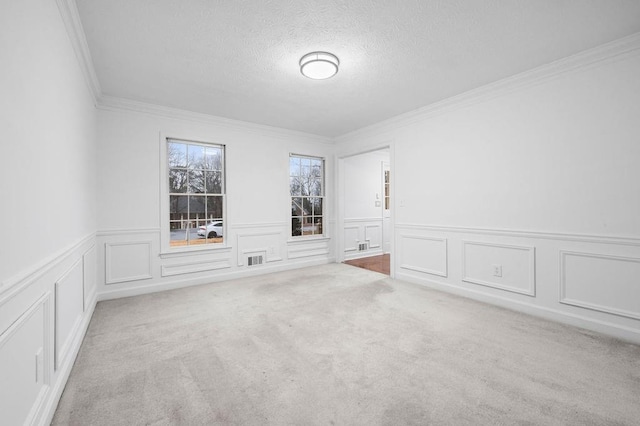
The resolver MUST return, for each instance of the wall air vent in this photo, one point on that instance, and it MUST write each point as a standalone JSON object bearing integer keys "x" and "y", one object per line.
{"x": 363, "y": 246}
{"x": 255, "y": 260}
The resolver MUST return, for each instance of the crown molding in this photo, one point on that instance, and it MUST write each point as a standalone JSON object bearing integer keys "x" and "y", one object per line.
{"x": 610, "y": 52}
{"x": 113, "y": 103}
{"x": 71, "y": 18}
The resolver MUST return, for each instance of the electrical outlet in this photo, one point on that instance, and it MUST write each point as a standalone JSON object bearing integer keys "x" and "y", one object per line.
{"x": 497, "y": 270}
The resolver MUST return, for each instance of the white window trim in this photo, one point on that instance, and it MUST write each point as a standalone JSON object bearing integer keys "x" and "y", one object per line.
{"x": 165, "y": 237}
{"x": 298, "y": 238}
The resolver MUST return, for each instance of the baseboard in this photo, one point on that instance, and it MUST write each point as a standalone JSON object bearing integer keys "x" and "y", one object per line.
{"x": 188, "y": 282}
{"x": 615, "y": 330}
{"x": 65, "y": 370}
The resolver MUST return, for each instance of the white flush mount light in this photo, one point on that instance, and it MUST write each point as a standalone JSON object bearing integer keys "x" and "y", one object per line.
{"x": 319, "y": 65}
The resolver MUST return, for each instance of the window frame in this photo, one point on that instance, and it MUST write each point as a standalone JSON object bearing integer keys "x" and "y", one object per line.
{"x": 165, "y": 232}
{"x": 323, "y": 197}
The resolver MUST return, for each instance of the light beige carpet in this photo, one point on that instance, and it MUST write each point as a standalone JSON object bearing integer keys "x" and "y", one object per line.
{"x": 339, "y": 345}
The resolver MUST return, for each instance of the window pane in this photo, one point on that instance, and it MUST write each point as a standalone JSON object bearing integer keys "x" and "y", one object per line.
{"x": 296, "y": 226}
{"x": 213, "y": 158}
{"x": 213, "y": 182}
{"x": 294, "y": 185}
{"x": 317, "y": 206}
{"x": 305, "y": 167}
{"x": 307, "y": 207}
{"x": 196, "y": 207}
{"x": 178, "y": 204}
{"x": 317, "y": 225}
{"x": 307, "y": 225}
{"x": 315, "y": 187}
{"x": 294, "y": 166}
{"x": 316, "y": 168}
{"x": 296, "y": 207}
{"x": 178, "y": 236}
{"x": 214, "y": 207}
{"x": 177, "y": 180}
{"x": 177, "y": 154}
{"x": 196, "y": 181}
{"x": 196, "y": 157}
{"x": 304, "y": 186}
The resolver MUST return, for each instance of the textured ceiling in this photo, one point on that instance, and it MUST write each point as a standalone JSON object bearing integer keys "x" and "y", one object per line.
{"x": 239, "y": 59}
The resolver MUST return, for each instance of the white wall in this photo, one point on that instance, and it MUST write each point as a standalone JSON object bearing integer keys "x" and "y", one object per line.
{"x": 258, "y": 201}
{"x": 538, "y": 176}
{"x": 362, "y": 199}
{"x": 47, "y": 193}
{"x": 538, "y": 181}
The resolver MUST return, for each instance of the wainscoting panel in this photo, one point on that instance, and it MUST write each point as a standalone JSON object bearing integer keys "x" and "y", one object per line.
{"x": 90, "y": 274}
{"x": 590, "y": 281}
{"x": 601, "y": 282}
{"x": 424, "y": 254}
{"x": 373, "y": 235}
{"x": 351, "y": 238}
{"x": 192, "y": 267}
{"x": 269, "y": 244}
{"x": 362, "y": 237}
{"x": 43, "y": 318}
{"x": 308, "y": 248}
{"x": 24, "y": 365}
{"x": 127, "y": 261}
{"x": 515, "y": 266}
{"x": 135, "y": 262}
{"x": 69, "y": 305}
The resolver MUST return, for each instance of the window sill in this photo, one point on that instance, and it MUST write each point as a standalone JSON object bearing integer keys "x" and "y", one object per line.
{"x": 189, "y": 251}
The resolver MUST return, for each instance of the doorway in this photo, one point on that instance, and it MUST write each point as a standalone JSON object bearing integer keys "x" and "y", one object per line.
{"x": 365, "y": 210}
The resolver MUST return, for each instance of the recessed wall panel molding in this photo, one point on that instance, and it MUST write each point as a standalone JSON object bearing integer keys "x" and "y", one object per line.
{"x": 349, "y": 220}
{"x": 501, "y": 266}
{"x": 601, "y": 282}
{"x": 90, "y": 274}
{"x": 127, "y": 261}
{"x": 373, "y": 235}
{"x": 24, "y": 365}
{"x": 308, "y": 248}
{"x": 192, "y": 267}
{"x": 69, "y": 305}
{"x": 424, "y": 254}
{"x": 351, "y": 238}
{"x": 269, "y": 243}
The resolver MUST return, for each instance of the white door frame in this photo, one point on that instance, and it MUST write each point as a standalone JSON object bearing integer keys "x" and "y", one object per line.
{"x": 340, "y": 201}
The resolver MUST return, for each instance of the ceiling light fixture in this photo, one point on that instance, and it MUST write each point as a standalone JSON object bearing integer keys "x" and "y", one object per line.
{"x": 319, "y": 65}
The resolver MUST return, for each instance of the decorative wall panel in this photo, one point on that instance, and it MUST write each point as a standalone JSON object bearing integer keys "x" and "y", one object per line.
{"x": 424, "y": 254}
{"x": 502, "y": 266}
{"x": 601, "y": 282}
{"x": 69, "y": 305}
{"x": 127, "y": 261}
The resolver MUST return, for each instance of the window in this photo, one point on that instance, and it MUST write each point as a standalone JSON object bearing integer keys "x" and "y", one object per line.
{"x": 387, "y": 204}
{"x": 196, "y": 193}
{"x": 306, "y": 183}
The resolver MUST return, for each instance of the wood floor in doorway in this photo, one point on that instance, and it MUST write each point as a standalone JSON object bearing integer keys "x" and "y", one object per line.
{"x": 380, "y": 263}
